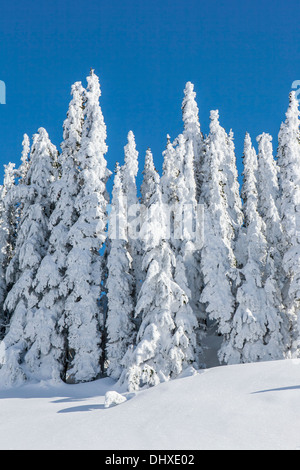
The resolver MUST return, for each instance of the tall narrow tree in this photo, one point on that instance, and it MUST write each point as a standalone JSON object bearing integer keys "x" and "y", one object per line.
{"x": 30, "y": 248}
{"x": 288, "y": 160}
{"x": 129, "y": 174}
{"x": 232, "y": 188}
{"x": 7, "y": 234}
{"x": 218, "y": 261}
{"x": 192, "y": 132}
{"x": 166, "y": 341}
{"x": 120, "y": 284}
{"x": 268, "y": 201}
{"x": 24, "y": 167}
{"x": 84, "y": 322}
{"x": 178, "y": 188}
{"x": 50, "y": 281}
{"x": 256, "y": 332}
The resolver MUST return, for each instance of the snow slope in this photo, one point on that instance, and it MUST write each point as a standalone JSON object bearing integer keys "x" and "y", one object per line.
{"x": 251, "y": 406}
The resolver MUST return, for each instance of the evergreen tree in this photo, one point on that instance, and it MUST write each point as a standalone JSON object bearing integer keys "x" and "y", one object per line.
{"x": 178, "y": 187}
{"x": 11, "y": 206}
{"x": 30, "y": 248}
{"x": 268, "y": 206}
{"x": 268, "y": 201}
{"x": 256, "y": 325}
{"x": 192, "y": 132}
{"x": 218, "y": 262}
{"x": 170, "y": 174}
{"x": 84, "y": 321}
{"x": 7, "y": 233}
{"x": 166, "y": 341}
{"x": 130, "y": 170}
{"x": 231, "y": 188}
{"x": 120, "y": 284}
{"x": 50, "y": 280}
{"x": 173, "y": 186}
{"x": 129, "y": 174}
{"x": 288, "y": 160}
{"x": 191, "y": 242}
{"x": 24, "y": 167}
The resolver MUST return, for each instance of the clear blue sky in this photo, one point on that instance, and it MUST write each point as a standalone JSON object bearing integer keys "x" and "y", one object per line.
{"x": 241, "y": 55}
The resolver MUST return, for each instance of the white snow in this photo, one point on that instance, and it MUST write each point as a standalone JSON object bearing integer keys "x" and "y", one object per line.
{"x": 249, "y": 406}
{"x": 113, "y": 398}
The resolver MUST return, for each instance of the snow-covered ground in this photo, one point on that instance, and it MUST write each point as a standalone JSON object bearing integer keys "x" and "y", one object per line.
{"x": 251, "y": 406}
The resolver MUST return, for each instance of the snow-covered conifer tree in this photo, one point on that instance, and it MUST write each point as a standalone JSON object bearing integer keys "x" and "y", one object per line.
{"x": 169, "y": 174}
{"x": 231, "y": 188}
{"x": 11, "y": 212}
{"x": 25, "y": 163}
{"x": 166, "y": 341}
{"x": 129, "y": 174}
{"x": 150, "y": 181}
{"x": 256, "y": 331}
{"x": 268, "y": 207}
{"x": 30, "y": 248}
{"x": 119, "y": 284}
{"x": 268, "y": 200}
{"x": 192, "y": 132}
{"x": 178, "y": 188}
{"x": 191, "y": 240}
{"x": 218, "y": 261}
{"x": 50, "y": 283}
{"x": 63, "y": 195}
{"x": 21, "y": 174}
{"x": 7, "y": 233}
{"x": 83, "y": 275}
{"x": 130, "y": 170}
{"x": 288, "y": 160}
{"x": 173, "y": 187}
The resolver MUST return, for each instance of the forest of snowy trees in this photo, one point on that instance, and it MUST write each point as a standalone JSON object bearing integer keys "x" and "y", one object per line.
{"x": 137, "y": 284}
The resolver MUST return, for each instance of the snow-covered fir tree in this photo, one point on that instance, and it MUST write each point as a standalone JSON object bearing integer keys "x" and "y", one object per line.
{"x": 7, "y": 233}
{"x": 129, "y": 174}
{"x": 12, "y": 195}
{"x": 30, "y": 248}
{"x": 50, "y": 280}
{"x": 178, "y": 186}
{"x": 256, "y": 325}
{"x": 268, "y": 207}
{"x": 169, "y": 174}
{"x": 192, "y": 132}
{"x": 231, "y": 188}
{"x": 84, "y": 321}
{"x": 191, "y": 243}
{"x": 166, "y": 340}
{"x": 173, "y": 186}
{"x": 21, "y": 174}
{"x": 288, "y": 157}
{"x": 218, "y": 262}
{"x": 187, "y": 228}
{"x": 25, "y": 163}
{"x": 130, "y": 170}
{"x": 120, "y": 284}
{"x": 268, "y": 202}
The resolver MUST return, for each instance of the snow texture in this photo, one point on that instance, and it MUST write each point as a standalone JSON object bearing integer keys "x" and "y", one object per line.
{"x": 240, "y": 407}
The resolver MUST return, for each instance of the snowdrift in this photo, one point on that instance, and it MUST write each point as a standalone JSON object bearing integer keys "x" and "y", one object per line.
{"x": 251, "y": 406}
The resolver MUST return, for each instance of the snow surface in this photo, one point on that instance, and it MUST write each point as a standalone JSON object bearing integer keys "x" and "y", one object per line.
{"x": 249, "y": 406}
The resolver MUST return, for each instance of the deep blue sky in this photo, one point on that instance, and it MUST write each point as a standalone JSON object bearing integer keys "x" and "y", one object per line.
{"x": 242, "y": 57}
